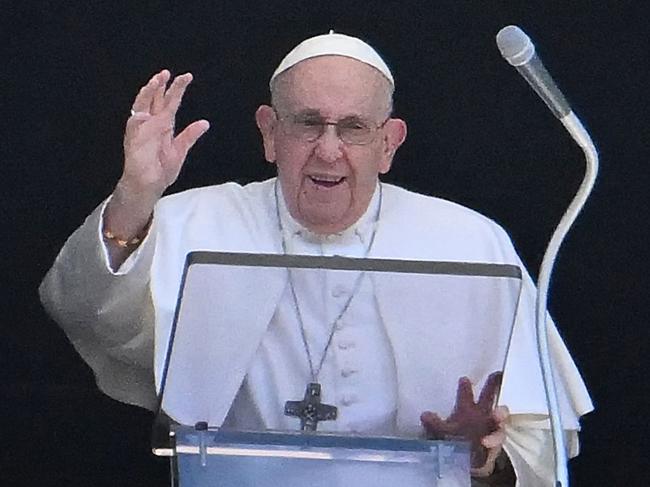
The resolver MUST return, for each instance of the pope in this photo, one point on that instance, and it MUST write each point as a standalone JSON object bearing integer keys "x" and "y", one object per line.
{"x": 330, "y": 131}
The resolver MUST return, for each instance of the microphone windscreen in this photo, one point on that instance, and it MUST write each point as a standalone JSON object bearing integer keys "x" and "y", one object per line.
{"x": 515, "y": 46}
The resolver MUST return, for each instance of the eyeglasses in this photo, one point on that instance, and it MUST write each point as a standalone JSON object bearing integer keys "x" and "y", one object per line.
{"x": 351, "y": 131}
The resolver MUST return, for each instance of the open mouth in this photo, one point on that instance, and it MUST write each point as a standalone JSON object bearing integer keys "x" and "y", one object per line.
{"x": 326, "y": 181}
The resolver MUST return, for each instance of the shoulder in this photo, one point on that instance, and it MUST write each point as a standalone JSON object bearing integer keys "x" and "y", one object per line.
{"x": 230, "y": 193}
{"x": 402, "y": 203}
{"x": 230, "y": 201}
{"x": 228, "y": 217}
{"x": 453, "y": 230}
{"x": 218, "y": 211}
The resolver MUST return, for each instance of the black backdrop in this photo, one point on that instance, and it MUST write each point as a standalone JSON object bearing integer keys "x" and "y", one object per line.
{"x": 477, "y": 135}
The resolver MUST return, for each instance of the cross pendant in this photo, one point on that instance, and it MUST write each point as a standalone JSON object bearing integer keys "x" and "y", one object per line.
{"x": 310, "y": 410}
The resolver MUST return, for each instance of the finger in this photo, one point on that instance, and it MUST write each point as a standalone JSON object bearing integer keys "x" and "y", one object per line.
{"x": 188, "y": 137}
{"x": 437, "y": 428}
{"x": 135, "y": 126}
{"x": 139, "y": 116}
{"x": 431, "y": 421}
{"x": 158, "y": 101}
{"x": 174, "y": 95}
{"x": 464, "y": 394}
{"x": 489, "y": 391}
{"x": 501, "y": 414}
{"x": 142, "y": 102}
{"x": 494, "y": 440}
{"x": 433, "y": 425}
{"x": 488, "y": 467}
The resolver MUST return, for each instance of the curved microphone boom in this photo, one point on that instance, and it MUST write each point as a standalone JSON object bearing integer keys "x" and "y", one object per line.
{"x": 517, "y": 48}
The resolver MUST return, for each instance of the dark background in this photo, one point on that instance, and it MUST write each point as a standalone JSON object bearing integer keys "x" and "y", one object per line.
{"x": 477, "y": 135}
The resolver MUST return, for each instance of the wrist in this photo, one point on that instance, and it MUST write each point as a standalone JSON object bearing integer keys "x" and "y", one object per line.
{"x": 128, "y": 193}
{"x": 127, "y": 217}
{"x": 126, "y": 241}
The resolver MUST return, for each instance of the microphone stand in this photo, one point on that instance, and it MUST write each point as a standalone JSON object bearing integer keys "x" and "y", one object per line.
{"x": 582, "y": 138}
{"x": 517, "y": 48}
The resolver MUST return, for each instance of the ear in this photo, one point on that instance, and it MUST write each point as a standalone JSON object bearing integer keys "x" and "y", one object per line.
{"x": 394, "y": 135}
{"x": 265, "y": 118}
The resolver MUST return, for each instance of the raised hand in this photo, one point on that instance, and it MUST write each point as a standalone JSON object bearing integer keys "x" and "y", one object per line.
{"x": 153, "y": 155}
{"x": 478, "y": 422}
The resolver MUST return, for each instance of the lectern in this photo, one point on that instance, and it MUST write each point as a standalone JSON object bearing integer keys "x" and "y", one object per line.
{"x": 472, "y": 305}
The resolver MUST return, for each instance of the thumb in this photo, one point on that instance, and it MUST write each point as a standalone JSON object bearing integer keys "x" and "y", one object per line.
{"x": 184, "y": 141}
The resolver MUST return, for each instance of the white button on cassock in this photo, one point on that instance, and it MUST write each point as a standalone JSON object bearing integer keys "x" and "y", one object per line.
{"x": 345, "y": 345}
{"x": 348, "y": 399}
{"x": 347, "y": 372}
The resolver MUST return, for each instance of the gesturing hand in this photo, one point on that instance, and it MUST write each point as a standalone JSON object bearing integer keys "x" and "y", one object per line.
{"x": 153, "y": 156}
{"x": 477, "y": 422}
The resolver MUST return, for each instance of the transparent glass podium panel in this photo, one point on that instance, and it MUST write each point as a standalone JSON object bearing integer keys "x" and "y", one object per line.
{"x": 218, "y": 458}
{"x": 444, "y": 320}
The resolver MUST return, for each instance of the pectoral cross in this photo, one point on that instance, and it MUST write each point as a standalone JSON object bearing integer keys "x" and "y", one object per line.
{"x": 310, "y": 410}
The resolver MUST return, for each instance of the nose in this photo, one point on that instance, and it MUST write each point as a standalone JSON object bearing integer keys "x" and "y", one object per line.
{"x": 329, "y": 145}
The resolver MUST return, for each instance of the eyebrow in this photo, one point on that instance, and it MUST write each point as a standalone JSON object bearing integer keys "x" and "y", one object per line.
{"x": 311, "y": 113}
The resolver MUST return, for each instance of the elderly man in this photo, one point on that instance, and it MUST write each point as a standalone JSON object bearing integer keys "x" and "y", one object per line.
{"x": 330, "y": 132}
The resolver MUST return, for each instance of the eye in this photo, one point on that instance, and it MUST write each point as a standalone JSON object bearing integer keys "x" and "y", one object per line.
{"x": 311, "y": 123}
{"x": 354, "y": 126}
{"x": 308, "y": 121}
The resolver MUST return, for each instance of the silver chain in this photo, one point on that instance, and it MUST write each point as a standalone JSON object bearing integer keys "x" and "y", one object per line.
{"x": 355, "y": 289}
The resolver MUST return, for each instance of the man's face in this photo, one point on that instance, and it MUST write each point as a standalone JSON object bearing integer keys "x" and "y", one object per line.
{"x": 328, "y": 183}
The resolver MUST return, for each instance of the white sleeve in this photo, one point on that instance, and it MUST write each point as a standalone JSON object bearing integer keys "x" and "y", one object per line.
{"x": 108, "y": 316}
{"x": 529, "y": 445}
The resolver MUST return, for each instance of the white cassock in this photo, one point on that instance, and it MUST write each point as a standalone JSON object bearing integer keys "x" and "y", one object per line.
{"x": 109, "y": 317}
{"x": 358, "y": 371}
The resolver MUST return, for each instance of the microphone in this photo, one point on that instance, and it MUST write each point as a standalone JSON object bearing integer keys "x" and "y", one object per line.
{"x": 517, "y": 48}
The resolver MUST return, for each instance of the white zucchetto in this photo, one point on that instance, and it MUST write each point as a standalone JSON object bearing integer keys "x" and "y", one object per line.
{"x": 333, "y": 44}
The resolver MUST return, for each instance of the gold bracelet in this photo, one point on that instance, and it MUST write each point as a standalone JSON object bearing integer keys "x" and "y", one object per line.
{"x": 120, "y": 242}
